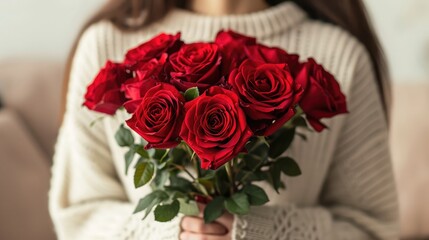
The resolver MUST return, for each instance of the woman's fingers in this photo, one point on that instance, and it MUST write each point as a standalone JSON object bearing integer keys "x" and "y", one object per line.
{"x": 197, "y": 225}
{"x": 197, "y": 236}
{"x": 201, "y": 207}
{"x": 226, "y": 220}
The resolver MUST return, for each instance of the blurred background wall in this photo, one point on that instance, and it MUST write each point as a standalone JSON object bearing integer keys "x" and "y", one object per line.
{"x": 46, "y": 29}
{"x": 43, "y": 28}
{"x": 35, "y": 37}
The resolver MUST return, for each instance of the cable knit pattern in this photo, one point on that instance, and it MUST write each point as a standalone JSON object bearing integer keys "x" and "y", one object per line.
{"x": 346, "y": 190}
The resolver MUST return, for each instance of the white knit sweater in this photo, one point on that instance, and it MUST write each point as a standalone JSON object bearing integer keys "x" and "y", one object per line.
{"x": 346, "y": 190}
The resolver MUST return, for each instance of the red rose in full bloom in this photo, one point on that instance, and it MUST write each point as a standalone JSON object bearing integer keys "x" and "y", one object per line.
{"x": 322, "y": 96}
{"x": 268, "y": 94}
{"x": 146, "y": 77}
{"x": 196, "y": 65}
{"x": 159, "y": 116}
{"x": 215, "y": 127}
{"x": 232, "y": 46}
{"x": 104, "y": 93}
{"x": 154, "y": 48}
{"x": 262, "y": 53}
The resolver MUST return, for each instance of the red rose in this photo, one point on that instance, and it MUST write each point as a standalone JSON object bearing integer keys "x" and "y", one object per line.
{"x": 135, "y": 89}
{"x": 268, "y": 94}
{"x": 147, "y": 76}
{"x": 322, "y": 96}
{"x": 159, "y": 116}
{"x": 232, "y": 46}
{"x": 153, "y": 68}
{"x": 104, "y": 93}
{"x": 215, "y": 127}
{"x": 154, "y": 48}
{"x": 196, "y": 65}
{"x": 261, "y": 53}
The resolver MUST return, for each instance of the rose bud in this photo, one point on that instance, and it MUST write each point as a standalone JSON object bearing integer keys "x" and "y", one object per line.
{"x": 202, "y": 199}
{"x": 322, "y": 96}
{"x": 154, "y": 48}
{"x": 268, "y": 94}
{"x": 104, "y": 93}
{"x": 159, "y": 116}
{"x": 196, "y": 65}
{"x": 215, "y": 127}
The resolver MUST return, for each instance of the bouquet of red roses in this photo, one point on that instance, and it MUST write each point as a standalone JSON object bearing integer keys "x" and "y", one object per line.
{"x": 214, "y": 119}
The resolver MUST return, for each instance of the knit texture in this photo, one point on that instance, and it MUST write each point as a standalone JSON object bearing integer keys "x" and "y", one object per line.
{"x": 346, "y": 190}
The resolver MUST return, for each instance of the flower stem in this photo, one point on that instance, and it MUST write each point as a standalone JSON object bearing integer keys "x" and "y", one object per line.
{"x": 182, "y": 168}
{"x": 194, "y": 160}
{"x": 258, "y": 166}
{"x": 196, "y": 165}
{"x": 230, "y": 173}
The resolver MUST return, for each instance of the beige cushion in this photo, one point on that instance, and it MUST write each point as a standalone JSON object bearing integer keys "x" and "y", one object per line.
{"x": 33, "y": 89}
{"x": 24, "y": 183}
{"x": 410, "y": 154}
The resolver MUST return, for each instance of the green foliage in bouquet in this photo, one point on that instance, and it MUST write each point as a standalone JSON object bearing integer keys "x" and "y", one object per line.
{"x": 178, "y": 182}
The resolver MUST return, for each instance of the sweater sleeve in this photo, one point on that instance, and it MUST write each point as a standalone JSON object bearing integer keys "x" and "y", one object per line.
{"x": 358, "y": 200}
{"x": 87, "y": 200}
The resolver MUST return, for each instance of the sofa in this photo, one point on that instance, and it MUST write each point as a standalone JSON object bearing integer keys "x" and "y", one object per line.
{"x": 30, "y": 93}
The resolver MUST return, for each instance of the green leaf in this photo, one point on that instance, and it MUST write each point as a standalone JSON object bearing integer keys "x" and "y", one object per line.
{"x": 300, "y": 122}
{"x": 288, "y": 166}
{"x": 207, "y": 174}
{"x": 275, "y": 172}
{"x": 160, "y": 178}
{"x": 261, "y": 150}
{"x": 238, "y": 204}
{"x": 214, "y": 209}
{"x": 151, "y": 206}
{"x": 245, "y": 176}
{"x": 146, "y": 201}
{"x": 139, "y": 161}
{"x": 191, "y": 93}
{"x": 139, "y": 149}
{"x": 207, "y": 183}
{"x": 201, "y": 188}
{"x": 129, "y": 156}
{"x": 259, "y": 175}
{"x": 166, "y": 212}
{"x": 143, "y": 174}
{"x": 256, "y": 195}
{"x": 159, "y": 154}
{"x": 179, "y": 156}
{"x": 164, "y": 157}
{"x": 180, "y": 184}
{"x": 221, "y": 182}
{"x": 252, "y": 161}
{"x": 251, "y": 143}
{"x": 124, "y": 137}
{"x": 189, "y": 208}
{"x": 281, "y": 141}
{"x": 263, "y": 140}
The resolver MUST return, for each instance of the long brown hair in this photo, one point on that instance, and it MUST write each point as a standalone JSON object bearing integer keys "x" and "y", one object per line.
{"x": 348, "y": 14}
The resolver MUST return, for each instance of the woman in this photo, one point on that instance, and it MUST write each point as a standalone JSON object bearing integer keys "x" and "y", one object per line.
{"x": 347, "y": 188}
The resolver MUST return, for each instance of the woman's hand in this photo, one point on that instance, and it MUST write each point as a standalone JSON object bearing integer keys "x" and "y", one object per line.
{"x": 194, "y": 228}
